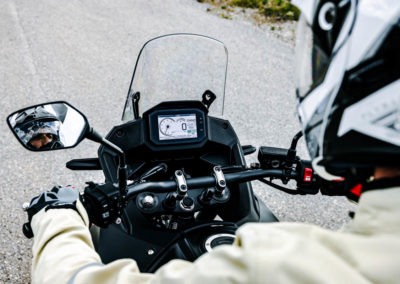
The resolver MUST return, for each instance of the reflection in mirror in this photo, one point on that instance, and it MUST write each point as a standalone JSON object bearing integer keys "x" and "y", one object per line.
{"x": 48, "y": 126}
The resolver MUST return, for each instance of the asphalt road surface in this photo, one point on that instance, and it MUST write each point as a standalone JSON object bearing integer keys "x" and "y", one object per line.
{"x": 84, "y": 52}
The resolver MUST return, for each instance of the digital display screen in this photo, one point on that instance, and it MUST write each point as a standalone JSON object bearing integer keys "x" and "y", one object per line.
{"x": 177, "y": 126}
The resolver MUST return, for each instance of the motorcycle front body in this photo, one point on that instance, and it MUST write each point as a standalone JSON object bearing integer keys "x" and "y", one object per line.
{"x": 183, "y": 135}
{"x": 152, "y": 234}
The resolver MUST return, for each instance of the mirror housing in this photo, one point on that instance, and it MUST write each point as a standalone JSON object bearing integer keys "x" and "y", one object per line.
{"x": 58, "y": 125}
{"x": 49, "y": 126}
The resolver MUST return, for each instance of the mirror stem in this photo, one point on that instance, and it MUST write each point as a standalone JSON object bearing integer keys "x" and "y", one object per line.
{"x": 295, "y": 140}
{"x": 122, "y": 168}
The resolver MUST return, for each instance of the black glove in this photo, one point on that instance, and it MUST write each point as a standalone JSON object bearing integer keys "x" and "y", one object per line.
{"x": 58, "y": 197}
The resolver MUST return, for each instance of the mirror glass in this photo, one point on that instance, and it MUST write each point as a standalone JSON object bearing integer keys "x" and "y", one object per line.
{"x": 48, "y": 126}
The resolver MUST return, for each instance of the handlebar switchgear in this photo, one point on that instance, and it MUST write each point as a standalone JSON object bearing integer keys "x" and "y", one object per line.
{"x": 103, "y": 203}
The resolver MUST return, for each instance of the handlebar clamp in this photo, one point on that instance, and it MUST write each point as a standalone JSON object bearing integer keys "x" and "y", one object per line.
{"x": 180, "y": 193}
{"x": 182, "y": 185}
{"x": 220, "y": 181}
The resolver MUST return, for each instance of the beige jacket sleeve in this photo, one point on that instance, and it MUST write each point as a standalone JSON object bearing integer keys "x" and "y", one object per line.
{"x": 263, "y": 253}
{"x": 63, "y": 252}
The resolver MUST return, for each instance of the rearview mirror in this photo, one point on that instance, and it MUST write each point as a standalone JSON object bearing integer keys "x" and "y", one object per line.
{"x": 49, "y": 126}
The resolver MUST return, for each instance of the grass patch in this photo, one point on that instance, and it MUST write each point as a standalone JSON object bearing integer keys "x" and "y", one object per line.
{"x": 272, "y": 10}
{"x": 280, "y": 10}
{"x": 247, "y": 3}
{"x": 226, "y": 16}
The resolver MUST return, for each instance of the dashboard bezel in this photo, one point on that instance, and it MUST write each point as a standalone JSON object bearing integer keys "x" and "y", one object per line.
{"x": 200, "y": 124}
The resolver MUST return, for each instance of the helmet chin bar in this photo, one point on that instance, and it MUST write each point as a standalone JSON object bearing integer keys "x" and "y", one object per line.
{"x": 321, "y": 171}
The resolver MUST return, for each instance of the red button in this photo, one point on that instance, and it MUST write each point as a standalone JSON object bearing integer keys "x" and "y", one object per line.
{"x": 307, "y": 175}
{"x": 357, "y": 189}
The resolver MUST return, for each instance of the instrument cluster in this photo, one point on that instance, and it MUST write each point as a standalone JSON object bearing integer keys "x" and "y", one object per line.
{"x": 177, "y": 126}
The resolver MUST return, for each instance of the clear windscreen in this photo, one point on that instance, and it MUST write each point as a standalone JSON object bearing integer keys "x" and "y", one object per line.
{"x": 178, "y": 67}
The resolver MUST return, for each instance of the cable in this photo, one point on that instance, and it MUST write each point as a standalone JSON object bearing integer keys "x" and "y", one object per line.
{"x": 281, "y": 188}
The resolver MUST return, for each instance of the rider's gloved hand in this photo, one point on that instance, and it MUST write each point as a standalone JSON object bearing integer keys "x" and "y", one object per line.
{"x": 58, "y": 197}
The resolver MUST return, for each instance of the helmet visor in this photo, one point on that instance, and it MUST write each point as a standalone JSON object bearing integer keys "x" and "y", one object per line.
{"x": 311, "y": 61}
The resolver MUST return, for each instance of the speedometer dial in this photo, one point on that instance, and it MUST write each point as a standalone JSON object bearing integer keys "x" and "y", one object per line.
{"x": 166, "y": 125}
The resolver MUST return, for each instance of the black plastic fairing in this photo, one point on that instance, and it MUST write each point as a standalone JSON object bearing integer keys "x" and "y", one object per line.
{"x": 133, "y": 138}
{"x": 151, "y": 249}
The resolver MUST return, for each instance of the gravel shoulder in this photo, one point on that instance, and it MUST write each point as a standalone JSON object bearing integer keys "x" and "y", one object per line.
{"x": 84, "y": 52}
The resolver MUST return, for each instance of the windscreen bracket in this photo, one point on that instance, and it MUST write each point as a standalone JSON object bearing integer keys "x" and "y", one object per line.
{"x": 208, "y": 98}
{"x": 135, "y": 104}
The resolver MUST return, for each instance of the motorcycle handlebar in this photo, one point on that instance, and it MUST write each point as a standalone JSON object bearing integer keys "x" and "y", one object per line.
{"x": 209, "y": 181}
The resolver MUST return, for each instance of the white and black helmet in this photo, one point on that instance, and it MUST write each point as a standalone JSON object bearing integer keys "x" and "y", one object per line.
{"x": 348, "y": 83}
{"x": 33, "y": 122}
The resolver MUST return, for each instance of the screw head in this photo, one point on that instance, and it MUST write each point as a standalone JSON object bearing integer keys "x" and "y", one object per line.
{"x": 120, "y": 133}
